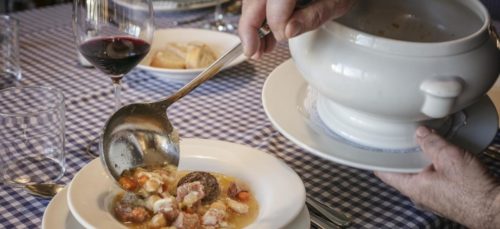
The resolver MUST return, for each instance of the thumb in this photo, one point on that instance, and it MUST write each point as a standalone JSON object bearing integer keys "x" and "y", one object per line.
{"x": 314, "y": 15}
{"x": 400, "y": 181}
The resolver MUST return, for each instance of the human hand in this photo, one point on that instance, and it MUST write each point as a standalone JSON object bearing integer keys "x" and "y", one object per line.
{"x": 285, "y": 22}
{"x": 456, "y": 185}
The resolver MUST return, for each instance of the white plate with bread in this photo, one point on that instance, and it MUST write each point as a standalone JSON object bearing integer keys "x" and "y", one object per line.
{"x": 181, "y": 54}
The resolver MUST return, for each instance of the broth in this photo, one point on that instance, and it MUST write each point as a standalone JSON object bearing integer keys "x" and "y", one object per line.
{"x": 228, "y": 194}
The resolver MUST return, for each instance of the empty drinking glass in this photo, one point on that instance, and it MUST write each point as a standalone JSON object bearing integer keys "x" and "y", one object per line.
{"x": 10, "y": 66}
{"x": 32, "y": 125}
{"x": 219, "y": 23}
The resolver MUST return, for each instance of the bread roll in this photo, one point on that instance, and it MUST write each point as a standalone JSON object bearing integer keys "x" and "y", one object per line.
{"x": 199, "y": 55}
{"x": 172, "y": 56}
{"x": 180, "y": 56}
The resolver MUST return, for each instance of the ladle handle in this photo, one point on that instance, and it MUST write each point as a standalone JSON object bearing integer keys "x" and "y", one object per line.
{"x": 214, "y": 68}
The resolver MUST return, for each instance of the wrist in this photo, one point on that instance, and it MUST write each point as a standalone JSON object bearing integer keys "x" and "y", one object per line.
{"x": 493, "y": 214}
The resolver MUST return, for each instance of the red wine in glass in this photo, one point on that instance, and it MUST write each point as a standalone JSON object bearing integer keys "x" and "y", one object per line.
{"x": 114, "y": 37}
{"x": 114, "y": 55}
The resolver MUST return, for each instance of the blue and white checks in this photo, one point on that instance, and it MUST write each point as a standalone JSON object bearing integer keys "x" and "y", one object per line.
{"x": 227, "y": 108}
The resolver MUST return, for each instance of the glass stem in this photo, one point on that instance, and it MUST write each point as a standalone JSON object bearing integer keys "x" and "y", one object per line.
{"x": 218, "y": 11}
{"x": 117, "y": 88}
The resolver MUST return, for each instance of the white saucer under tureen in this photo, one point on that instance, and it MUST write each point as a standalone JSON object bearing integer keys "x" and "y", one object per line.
{"x": 389, "y": 66}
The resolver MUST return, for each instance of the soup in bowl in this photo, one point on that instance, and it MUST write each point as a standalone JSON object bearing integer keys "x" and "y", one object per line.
{"x": 164, "y": 197}
{"x": 275, "y": 193}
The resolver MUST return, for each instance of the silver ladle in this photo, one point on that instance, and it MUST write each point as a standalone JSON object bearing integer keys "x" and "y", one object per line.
{"x": 140, "y": 134}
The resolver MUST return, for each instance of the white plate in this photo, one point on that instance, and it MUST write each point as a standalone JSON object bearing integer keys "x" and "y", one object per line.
{"x": 285, "y": 97}
{"x": 220, "y": 42}
{"x": 58, "y": 216}
{"x": 167, "y": 6}
{"x": 277, "y": 188}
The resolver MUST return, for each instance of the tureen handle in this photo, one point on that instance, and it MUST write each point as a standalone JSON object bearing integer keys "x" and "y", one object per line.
{"x": 440, "y": 95}
{"x": 494, "y": 34}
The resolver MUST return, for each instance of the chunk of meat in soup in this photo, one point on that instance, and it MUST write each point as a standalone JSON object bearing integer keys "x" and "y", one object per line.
{"x": 187, "y": 221}
{"x": 189, "y": 194}
{"x": 235, "y": 188}
{"x": 236, "y": 206}
{"x": 166, "y": 206}
{"x": 134, "y": 214}
{"x": 209, "y": 182}
{"x": 215, "y": 215}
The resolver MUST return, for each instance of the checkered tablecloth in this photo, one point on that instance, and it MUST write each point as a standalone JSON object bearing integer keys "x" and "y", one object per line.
{"x": 227, "y": 108}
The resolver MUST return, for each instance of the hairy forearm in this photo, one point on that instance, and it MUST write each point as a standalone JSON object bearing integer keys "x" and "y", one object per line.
{"x": 484, "y": 213}
{"x": 493, "y": 217}
{"x": 457, "y": 185}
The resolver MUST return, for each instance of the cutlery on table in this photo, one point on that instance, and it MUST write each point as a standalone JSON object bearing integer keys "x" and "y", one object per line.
{"x": 321, "y": 223}
{"x": 333, "y": 216}
{"x": 45, "y": 190}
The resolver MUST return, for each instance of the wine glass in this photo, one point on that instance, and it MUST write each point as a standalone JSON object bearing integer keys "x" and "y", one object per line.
{"x": 218, "y": 23}
{"x": 114, "y": 36}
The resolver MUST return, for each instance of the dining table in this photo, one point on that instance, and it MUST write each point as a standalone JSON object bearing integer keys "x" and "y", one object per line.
{"x": 227, "y": 108}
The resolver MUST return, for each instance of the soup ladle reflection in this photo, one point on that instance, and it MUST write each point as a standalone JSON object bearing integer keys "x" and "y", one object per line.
{"x": 141, "y": 135}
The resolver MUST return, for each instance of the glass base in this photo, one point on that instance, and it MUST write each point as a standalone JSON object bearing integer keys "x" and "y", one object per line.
{"x": 9, "y": 79}
{"x": 221, "y": 26}
{"x": 32, "y": 169}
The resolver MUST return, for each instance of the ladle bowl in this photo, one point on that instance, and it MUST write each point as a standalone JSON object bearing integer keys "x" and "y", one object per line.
{"x": 141, "y": 135}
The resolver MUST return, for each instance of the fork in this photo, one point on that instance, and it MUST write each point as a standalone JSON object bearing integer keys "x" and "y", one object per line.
{"x": 331, "y": 216}
{"x": 321, "y": 223}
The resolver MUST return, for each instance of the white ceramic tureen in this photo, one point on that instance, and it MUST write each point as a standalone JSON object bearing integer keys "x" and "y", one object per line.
{"x": 388, "y": 66}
